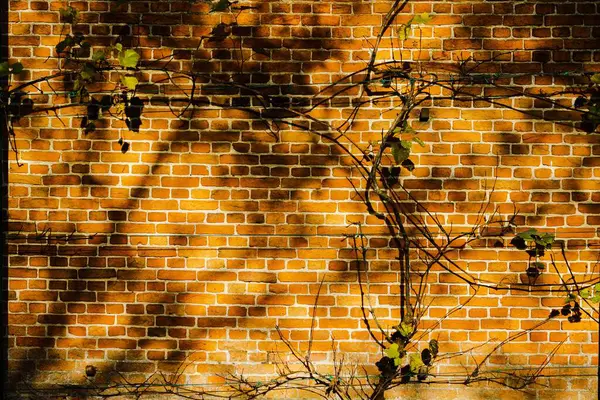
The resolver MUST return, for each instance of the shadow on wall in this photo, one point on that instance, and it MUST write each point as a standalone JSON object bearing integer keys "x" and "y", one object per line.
{"x": 154, "y": 270}
{"x": 208, "y": 232}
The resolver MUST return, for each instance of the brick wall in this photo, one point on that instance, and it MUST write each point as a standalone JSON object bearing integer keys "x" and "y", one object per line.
{"x": 208, "y": 232}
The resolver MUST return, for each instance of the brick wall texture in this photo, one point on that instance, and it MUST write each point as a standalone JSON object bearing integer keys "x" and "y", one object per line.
{"x": 208, "y": 232}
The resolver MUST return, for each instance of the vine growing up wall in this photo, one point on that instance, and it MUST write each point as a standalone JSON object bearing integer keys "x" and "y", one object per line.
{"x": 104, "y": 82}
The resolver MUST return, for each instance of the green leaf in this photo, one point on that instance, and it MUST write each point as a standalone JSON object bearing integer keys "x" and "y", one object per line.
{"x": 407, "y": 144}
{"x": 405, "y": 329}
{"x": 393, "y": 351}
{"x": 98, "y": 56}
{"x": 129, "y": 81}
{"x": 119, "y": 47}
{"x": 404, "y": 31}
{"x": 422, "y": 18}
{"x": 400, "y": 153}
{"x": 415, "y": 362}
{"x": 596, "y": 79}
{"x": 128, "y": 58}
{"x": 87, "y": 72}
{"x": 4, "y": 70}
{"x": 596, "y": 298}
{"x": 16, "y": 68}
{"x": 585, "y": 293}
{"x": 545, "y": 240}
{"x": 220, "y": 5}
{"x": 528, "y": 234}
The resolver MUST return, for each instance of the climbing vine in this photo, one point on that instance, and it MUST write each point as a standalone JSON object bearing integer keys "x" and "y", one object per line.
{"x": 107, "y": 83}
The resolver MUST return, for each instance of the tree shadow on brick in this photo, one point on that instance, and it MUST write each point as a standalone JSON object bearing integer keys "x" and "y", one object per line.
{"x": 226, "y": 148}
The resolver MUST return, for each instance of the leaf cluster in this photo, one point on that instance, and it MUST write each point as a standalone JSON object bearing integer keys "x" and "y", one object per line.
{"x": 417, "y": 364}
{"x": 592, "y": 294}
{"x": 533, "y": 242}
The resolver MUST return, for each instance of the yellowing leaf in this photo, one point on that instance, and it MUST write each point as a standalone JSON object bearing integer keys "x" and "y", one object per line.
{"x": 415, "y": 363}
{"x": 392, "y": 351}
{"x": 128, "y": 58}
{"x": 596, "y": 298}
{"x": 405, "y": 329}
{"x": 596, "y": 79}
{"x": 129, "y": 81}
{"x": 404, "y": 32}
